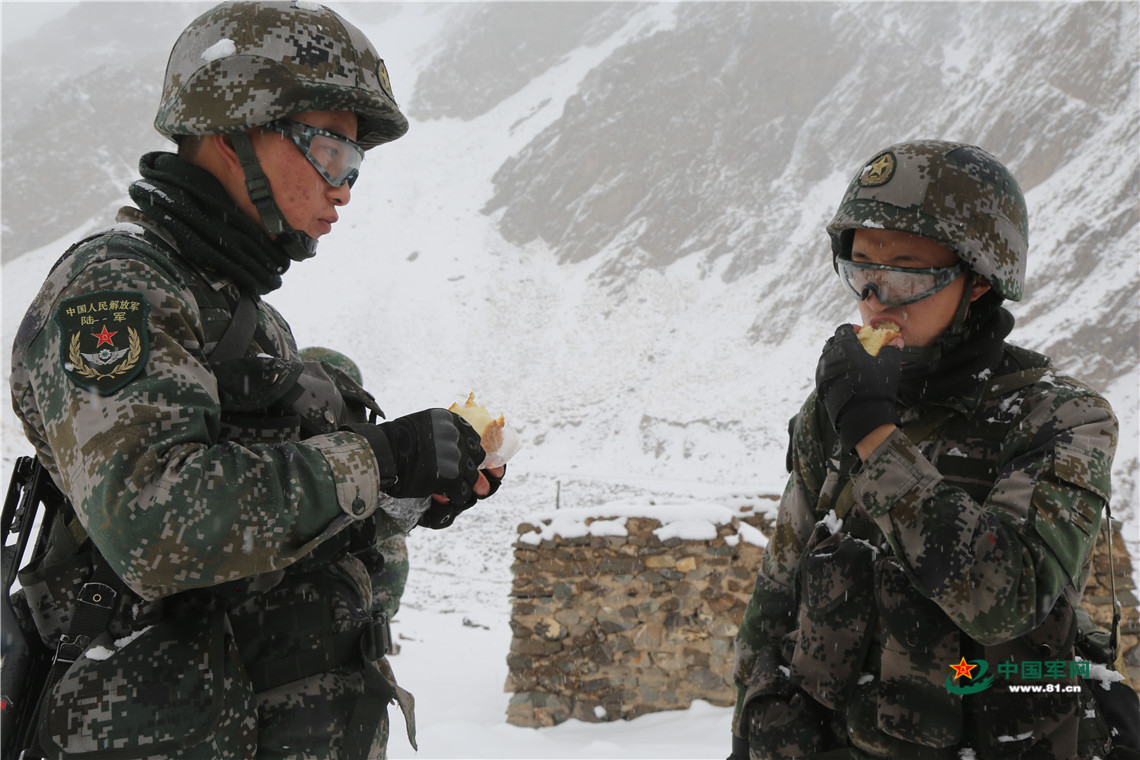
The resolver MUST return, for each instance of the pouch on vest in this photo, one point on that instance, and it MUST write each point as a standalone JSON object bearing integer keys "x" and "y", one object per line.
{"x": 176, "y": 690}
{"x": 52, "y": 591}
{"x": 282, "y": 399}
{"x": 1116, "y": 700}
{"x": 919, "y": 644}
{"x": 836, "y": 613}
{"x": 1043, "y": 718}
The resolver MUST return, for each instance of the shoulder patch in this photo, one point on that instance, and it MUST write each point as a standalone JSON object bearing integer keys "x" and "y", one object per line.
{"x": 103, "y": 339}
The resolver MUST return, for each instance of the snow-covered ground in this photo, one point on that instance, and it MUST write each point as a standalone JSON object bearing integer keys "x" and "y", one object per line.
{"x": 454, "y": 634}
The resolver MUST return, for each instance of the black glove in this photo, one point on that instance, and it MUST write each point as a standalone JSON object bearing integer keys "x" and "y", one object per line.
{"x": 430, "y": 452}
{"x": 441, "y": 515}
{"x": 858, "y": 390}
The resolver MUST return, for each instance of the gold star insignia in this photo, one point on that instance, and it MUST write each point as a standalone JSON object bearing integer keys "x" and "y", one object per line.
{"x": 879, "y": 171}
{"x": 963, "y": 668}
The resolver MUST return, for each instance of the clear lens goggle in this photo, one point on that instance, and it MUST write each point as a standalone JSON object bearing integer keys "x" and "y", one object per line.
{"x": 895, "y": 286}
{"x": 337, "y": 158}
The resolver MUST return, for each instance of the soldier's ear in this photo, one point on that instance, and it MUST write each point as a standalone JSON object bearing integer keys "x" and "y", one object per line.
{"x": 978, "y": 289}
{"x": 223, "y": 147}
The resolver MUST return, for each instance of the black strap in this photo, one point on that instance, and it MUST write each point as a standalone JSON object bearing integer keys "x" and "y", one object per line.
{"x": 370, "y": 642}
{"x": 92, "y": 614}
{"x": 370, "y": 709}
{"x": 1114, "y": 635}
{"x": 239, "y": 332}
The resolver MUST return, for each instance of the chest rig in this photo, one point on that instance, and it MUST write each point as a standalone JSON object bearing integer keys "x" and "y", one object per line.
{"x": 873, "y": 648}
{"x": 310, "y": 618}
{"x": 268, "y": 395}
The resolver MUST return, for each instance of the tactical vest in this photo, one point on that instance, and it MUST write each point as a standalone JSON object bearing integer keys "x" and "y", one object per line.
{"x": 871, "y": 647}
{"x": 281, "y": 622}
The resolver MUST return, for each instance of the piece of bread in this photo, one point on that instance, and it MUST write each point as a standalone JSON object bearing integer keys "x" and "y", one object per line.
{"x": 476, "y": 414}
{"x": 874, "y": 338}
{"x": 497, "y": 438}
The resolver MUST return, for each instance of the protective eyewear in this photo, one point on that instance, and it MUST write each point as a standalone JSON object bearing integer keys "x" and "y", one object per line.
{"x": 895, "y": 286}
{"x": 337, "y": 158}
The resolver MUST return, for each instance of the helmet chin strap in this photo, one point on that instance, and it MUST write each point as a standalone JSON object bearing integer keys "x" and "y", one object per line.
{"x": 296, "y": 244}
{"x": 950, "y": 338}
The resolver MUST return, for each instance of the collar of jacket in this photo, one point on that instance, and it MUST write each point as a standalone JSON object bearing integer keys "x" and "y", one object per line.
{"x": 209, "y": 229}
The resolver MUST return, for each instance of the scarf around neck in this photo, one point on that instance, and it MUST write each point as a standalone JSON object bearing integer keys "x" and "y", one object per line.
{"x": 209, "y": 228}
{"x": 963, "y": 366}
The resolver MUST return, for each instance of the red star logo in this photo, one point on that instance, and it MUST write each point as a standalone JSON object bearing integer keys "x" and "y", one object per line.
{"x": 963, "y": 668}
{"x": 104, "y": 337}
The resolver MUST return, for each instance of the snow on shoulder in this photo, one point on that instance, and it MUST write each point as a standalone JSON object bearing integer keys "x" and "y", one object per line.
{"x": 688, "y": 520}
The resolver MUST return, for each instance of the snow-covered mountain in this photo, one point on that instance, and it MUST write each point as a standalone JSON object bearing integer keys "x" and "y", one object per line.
{"x": 607, "y": 218}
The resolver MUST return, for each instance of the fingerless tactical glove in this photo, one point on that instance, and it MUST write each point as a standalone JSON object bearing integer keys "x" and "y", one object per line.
{"x": 858, "y": 390}
{"x": 430, "y": 452}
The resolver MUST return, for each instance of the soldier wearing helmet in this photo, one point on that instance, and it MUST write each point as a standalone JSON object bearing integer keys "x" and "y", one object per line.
{"x": 935, "y": 534}
{"x": 211, "y": 584}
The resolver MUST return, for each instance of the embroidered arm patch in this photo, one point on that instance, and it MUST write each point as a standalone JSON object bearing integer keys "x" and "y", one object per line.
{"x": 103, "y": 339}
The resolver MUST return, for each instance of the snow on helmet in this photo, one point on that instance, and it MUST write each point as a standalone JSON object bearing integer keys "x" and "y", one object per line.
{"x": 956, "y": 194}
{"x": 244, "y": 64}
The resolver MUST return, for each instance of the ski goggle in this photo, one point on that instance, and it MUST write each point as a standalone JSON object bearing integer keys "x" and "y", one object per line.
{"x": 895, "y": 286}
{"x": 337, "y": 158}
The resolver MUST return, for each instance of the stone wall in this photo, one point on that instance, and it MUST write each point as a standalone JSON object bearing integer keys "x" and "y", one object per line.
{"x": 629, "y": 610}
{"x": 632, "y": 608}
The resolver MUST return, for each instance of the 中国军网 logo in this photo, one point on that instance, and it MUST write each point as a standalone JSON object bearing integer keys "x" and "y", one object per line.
{"x": 1033, "y": 676}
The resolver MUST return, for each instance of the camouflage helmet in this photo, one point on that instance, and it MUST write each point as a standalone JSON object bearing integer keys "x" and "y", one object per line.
{"x": 334, "y": 358}
{"x": 244, "y": 64}
{"x": 956, "y": 194}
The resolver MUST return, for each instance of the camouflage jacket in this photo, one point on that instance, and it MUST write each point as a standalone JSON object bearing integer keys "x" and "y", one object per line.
{"x": 967, "y": 534}
{"x": 190, "y": 474}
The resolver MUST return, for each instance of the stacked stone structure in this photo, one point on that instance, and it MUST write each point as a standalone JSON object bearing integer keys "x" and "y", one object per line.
{"x": 628, "y": 609}
{"x": 632, "y": 608}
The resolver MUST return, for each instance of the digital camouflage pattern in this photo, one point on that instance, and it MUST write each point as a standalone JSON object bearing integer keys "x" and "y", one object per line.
{"x": 145, "y": 455}
{"x": 336, "y": 359}
{"x": 191, "y": 489}
{"x": 958, "y": 195}
{"x": 966, "y": 534}
{"x": 388, "y": 586}
{"x": 244, "y": 64}
{"x": 199, "y": 706}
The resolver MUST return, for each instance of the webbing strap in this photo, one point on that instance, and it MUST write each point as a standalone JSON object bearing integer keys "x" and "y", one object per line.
{"x": 370, "y": 642}
{"x": 90, "y": 617}
{"x": 239, "y": 332}
{"x": 257, "y": 185}
{"x": 92, "y": 614}
{"x": 370, "y": 709}
{"x": 1114, "y": 637}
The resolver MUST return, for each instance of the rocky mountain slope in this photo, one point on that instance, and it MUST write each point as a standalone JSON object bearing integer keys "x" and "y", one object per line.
{"x": 627, "y": 200}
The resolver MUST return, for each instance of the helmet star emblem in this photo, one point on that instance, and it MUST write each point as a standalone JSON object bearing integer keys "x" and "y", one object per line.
{"x": 879, "y": 171}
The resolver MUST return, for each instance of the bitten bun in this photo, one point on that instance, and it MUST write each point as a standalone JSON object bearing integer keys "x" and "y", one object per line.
{"x": 874, "y": 338}
{"x": 497, "y": 438}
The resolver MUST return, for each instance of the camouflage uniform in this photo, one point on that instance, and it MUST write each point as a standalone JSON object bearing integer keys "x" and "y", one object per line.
{"x": 224, "y": 489}
{"x": 966, "y": 534}
{"x": 388, "y": 586}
